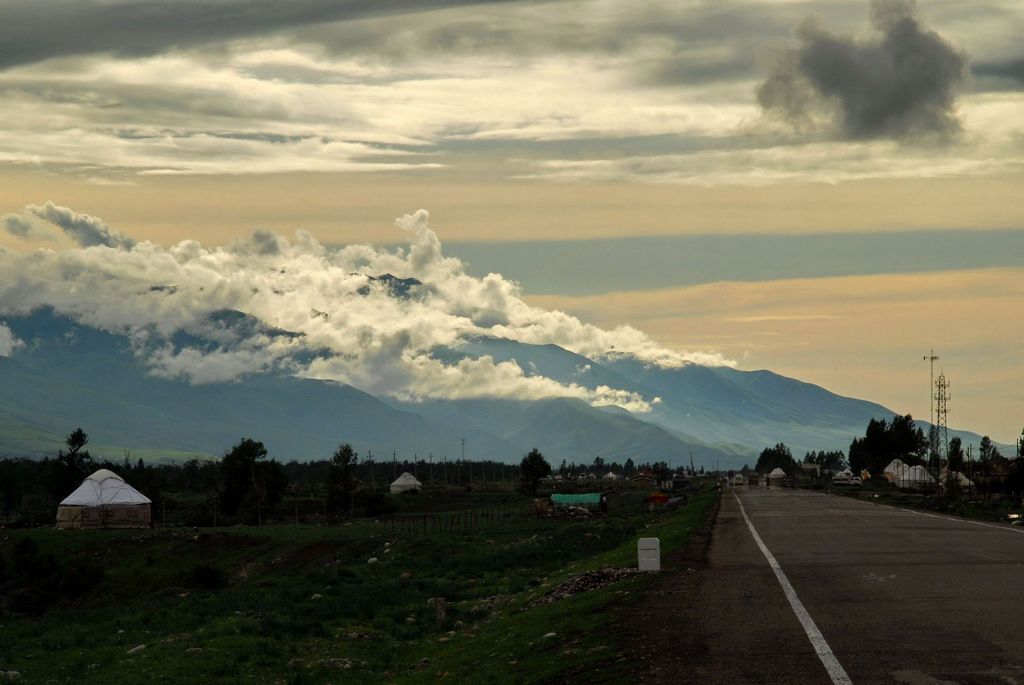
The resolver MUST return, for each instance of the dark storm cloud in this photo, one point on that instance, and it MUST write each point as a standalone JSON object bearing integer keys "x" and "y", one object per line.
{"x": 900, "y": 84}
{"x": 36, "y": 30}
{"x": 84, "y": 229}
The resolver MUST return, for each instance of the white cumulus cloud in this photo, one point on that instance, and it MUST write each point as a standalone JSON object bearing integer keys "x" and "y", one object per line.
{"x": 293, "y": 305}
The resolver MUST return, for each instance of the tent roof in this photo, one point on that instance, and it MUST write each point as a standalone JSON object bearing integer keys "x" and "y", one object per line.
{"x": 895, "y": 464}
{"x": 777, "y": 472}
{"x": 104, "y": 488}
{"x": 406, "y": 479}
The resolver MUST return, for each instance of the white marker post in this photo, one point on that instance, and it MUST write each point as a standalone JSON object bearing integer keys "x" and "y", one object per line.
{"x": 648, "y": 552}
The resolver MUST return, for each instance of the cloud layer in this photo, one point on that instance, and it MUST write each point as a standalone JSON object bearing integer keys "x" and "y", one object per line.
{"x": 268, "y": 303}
{"x": 115, "y": 91}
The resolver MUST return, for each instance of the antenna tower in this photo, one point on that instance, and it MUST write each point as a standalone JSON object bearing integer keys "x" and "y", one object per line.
{"x": 942, "y": 413}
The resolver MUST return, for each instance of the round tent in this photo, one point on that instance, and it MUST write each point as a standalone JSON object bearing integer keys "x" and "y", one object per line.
{"x": 104, "y": 500}
{"x": 777, "y": 474}
{"x": 915, "y": 478}
{"x": 405, "y": 483}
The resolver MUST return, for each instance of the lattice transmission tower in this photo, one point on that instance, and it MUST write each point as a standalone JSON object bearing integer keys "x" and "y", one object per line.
{"x": 942, "y": 414}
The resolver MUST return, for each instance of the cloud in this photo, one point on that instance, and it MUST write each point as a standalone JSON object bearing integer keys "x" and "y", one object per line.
{"x": 269, "y": 303}
{"x": 899, "y": 84}
{"x": 8, "y": 341}
{"x": 36, "y": 30}
{"x": 22, "y": 226}
{"x": 84, "y": 229}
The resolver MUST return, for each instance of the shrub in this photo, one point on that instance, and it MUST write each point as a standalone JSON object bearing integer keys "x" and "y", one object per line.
{"x": 205, "y": 576}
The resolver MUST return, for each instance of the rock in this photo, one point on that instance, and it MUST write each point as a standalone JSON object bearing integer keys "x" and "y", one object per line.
{"x": 316, "y": 596}
{"x": 373, "y": 560}
{"x": 583, "y": 582}
{"x": 193, "y": 650}
{"x": 136, "y": 649}
{"x": 10, "y": 675}
{"x": 548, "y": 636}
{"x": 406, "y": 576}
{"x": 337, "y": 663}
{"x": 410, "y": 619}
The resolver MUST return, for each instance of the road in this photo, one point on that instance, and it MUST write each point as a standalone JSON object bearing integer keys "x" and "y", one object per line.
{"x": 897, "y": 596}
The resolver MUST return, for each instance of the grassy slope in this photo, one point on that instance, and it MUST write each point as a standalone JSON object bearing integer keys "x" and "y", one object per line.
{"x": 265, "y": 624}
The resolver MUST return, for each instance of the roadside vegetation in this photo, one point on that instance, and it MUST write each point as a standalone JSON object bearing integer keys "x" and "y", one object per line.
{"x": 315, "y": 573}
{"x": 324, "y": 603}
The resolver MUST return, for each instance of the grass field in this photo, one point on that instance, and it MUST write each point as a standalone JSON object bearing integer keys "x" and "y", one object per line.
{"x": 301, "y": 603}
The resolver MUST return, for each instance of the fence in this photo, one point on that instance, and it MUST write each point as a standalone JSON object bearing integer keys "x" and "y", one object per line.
{"x": 471, "y": 520}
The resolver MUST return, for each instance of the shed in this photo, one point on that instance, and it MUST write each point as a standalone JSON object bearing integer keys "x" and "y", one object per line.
{"x": 406, "y": 483}
{"x": 104, "y": 500}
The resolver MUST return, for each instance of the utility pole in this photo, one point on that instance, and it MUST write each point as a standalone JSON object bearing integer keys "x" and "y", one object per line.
{"x": 394, "y": 459}
{"x": 933, "y": 435}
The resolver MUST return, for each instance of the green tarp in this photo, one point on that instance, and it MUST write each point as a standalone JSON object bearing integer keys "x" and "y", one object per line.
{"x": 587, "y": 499}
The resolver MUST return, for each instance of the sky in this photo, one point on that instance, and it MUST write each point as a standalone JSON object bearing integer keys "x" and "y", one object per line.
{"x": 825, "y": 189}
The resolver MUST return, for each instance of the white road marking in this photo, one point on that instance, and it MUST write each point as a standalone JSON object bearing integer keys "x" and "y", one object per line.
{"x": 828, "y": 659}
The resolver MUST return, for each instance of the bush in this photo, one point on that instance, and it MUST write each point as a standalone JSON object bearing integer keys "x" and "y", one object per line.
{"x": 375, "y": 503}
{"x": 205, "y": 576}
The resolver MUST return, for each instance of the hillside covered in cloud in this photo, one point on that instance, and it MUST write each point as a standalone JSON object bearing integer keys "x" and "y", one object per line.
{"x": 369, "y": 317}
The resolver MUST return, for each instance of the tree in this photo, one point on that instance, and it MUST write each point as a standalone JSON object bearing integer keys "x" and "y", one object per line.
{"x": 598, "y": 465}
{"x": 629, "y": 468}
{"x": 985, "y": 449}
{"x": 955, "y": 456}
{"x": 76, "y": 456}
{"x": 661, "y": 470}
{"x": 884, "y": 441}
{"x": 69, "y": 468}
{"x": 532, "y": 468}
{"x": 340, "y": 480}
{"x": 246, "y": 479}
{"x": 828, "y": 461}
{"x": 778, "y": 457}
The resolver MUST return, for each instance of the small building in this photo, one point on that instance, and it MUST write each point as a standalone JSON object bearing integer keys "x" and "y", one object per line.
{"x": 104, "y": 500}
{"x": 776, "y": 475}
{"x": 406, "y": 483}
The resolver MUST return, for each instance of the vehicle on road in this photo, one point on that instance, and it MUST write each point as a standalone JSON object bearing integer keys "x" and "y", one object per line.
{"x": 846, "y": 478}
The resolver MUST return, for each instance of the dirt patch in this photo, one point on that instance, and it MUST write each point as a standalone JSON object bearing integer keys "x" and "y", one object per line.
{"x": 656, "y": 634}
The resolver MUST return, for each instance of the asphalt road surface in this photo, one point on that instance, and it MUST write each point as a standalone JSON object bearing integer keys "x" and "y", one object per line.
{"x": 897, "y": 596}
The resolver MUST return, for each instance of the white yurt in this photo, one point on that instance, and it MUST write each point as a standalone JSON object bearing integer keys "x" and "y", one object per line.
{"x": 777, "y": 474}
{"x": 895, "y": 468}
{"x": 405, "y": 483}
{"x": 962, "y": 480}
{"x": 104, "y": 500}
{"x": 610, "y": 476}
{"x": 915, "y": 478}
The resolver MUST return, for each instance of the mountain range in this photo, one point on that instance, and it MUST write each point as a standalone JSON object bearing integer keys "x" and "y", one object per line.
{"x": 67, "y": 374}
